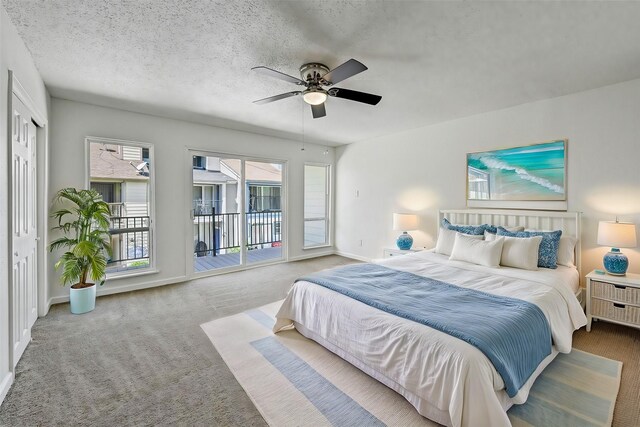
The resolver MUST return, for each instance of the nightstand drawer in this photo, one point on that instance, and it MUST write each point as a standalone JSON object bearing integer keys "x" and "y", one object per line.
{"x": 621, "y": 293}
{"x": 615, "y": 311}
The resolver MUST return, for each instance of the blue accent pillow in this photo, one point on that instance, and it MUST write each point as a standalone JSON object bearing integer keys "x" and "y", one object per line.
{"x": 464, "y": 229}
{"x": 548, "y": 251}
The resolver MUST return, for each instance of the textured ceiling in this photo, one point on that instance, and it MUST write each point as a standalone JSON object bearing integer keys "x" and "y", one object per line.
{"x": 430, "y": 61}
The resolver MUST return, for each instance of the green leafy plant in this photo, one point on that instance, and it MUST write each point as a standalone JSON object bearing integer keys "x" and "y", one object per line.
{"x": 84, "y": 220}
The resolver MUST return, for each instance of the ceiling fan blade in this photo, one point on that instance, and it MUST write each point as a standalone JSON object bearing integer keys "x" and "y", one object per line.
{"x": 318, "y": 111}
{"x": 276, "y": 97}
{"x": 354, "y": 95}
{"x": 344, "y": 71}
{"x": 278, "y": 75}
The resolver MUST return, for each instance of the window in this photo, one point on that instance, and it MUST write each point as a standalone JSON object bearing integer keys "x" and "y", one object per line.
{"x": 264, "y": 198}
{"x": 316, "y": 205}
{"x": 108, "y": 190}
{"x": 199, "y": 162}
{"x": 122, "y": 172}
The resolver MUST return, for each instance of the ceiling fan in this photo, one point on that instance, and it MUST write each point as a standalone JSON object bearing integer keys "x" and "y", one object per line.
{"x": 313, "y": 77}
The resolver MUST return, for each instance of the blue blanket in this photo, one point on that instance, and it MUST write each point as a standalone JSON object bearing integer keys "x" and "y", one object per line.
{"x": 513, "y": 334}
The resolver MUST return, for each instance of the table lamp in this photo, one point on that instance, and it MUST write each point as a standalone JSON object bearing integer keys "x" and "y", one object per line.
{"x": 617, "y": 235}
{"x": 405, "y": 222}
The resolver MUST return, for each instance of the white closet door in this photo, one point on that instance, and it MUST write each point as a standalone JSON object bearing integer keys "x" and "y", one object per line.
{"x": 23, "y": 228}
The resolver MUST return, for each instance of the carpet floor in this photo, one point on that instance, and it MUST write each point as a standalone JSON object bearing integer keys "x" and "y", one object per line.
{"x": 141, "y": 358}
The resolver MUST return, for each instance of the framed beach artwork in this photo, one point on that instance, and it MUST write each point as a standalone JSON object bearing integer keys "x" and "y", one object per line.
{"x": 526, "y": 177}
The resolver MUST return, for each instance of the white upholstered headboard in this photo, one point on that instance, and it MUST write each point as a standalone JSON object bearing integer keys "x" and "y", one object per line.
{"x": 568, "y": 222}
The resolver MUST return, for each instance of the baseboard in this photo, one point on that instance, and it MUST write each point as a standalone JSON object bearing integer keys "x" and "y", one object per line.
{"x": 313, "y": 255}
{"x": 110, "y": 290}
{"x": 353, "y": 256}
{"x": 106, "y": 290}
{"x": 5, "y": 385}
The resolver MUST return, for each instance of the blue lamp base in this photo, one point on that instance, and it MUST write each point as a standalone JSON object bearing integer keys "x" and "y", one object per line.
{"x": 404, "y": 241}
{"x": 615, "y": 262}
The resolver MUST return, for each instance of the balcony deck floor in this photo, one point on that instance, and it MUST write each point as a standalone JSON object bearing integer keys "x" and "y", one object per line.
{"x": 208, "y": 262}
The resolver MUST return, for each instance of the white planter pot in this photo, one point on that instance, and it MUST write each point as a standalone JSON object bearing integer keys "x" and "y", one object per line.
{"x": 82, "y": 300}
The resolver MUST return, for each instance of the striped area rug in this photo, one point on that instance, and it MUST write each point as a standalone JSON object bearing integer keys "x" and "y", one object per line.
{"x": 295, "y": 382}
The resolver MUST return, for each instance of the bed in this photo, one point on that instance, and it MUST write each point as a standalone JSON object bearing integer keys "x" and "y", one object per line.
{"x": 445, "y": 378}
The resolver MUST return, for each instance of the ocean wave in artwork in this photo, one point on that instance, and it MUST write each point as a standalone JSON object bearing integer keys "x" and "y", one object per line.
{"x": 493, "y": 163}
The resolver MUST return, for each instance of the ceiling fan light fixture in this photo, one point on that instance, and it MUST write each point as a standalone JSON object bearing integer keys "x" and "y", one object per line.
{"x": 314, "y": 97}
{"x": 313, "y": 76}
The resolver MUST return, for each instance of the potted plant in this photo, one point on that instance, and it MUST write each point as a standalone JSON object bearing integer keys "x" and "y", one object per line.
{"x": 83, "y": 219}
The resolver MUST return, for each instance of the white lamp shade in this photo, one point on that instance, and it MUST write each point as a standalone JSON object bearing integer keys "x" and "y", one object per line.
{"x": 617, "y": 234}
{"x": 405, "y": 222}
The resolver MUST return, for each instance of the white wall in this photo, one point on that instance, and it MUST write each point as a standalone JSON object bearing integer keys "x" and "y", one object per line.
{"x": 71, "y": 122}
{"x": 13, "y": 56}
{"x": 423, "y": 170}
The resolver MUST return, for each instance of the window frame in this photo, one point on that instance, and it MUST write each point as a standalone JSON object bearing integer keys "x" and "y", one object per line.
{"x": 328, "y": 205}
{"x": 152, "y": 268}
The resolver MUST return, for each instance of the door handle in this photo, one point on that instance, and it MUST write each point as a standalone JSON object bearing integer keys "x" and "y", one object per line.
{"x": 38, "y": 239}
{"x": 15, "y": 253}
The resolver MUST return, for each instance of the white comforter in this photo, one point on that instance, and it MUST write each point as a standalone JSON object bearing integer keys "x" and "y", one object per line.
{"x": 446, "y": 379}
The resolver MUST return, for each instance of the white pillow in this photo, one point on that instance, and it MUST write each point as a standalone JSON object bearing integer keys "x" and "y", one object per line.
{"x": 446, "y": 238}
{"x": 466, "y": 248}
{"x": 521, "y": 252}
{"x": 566, "y": 251}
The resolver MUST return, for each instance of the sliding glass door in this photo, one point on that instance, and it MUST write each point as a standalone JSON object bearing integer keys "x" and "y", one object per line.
{"x": 263, "y": 195}
{"x": 236, "y": 211}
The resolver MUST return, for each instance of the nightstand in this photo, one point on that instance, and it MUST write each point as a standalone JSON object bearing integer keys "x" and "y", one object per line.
{"x": 390, "y": 252}
{"x": 613, "y": 298}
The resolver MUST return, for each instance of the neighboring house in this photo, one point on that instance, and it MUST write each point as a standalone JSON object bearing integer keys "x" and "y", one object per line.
{"x": 264, "y": 183}
{"x": 212, "y": 187}
{"x": 121, "y": 175}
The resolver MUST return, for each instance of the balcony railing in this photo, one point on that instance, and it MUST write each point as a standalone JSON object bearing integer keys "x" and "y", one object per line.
{"x": 264, "y": 227}
{"x": 221, "y": 232}
{"x": 129, "y": 239}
